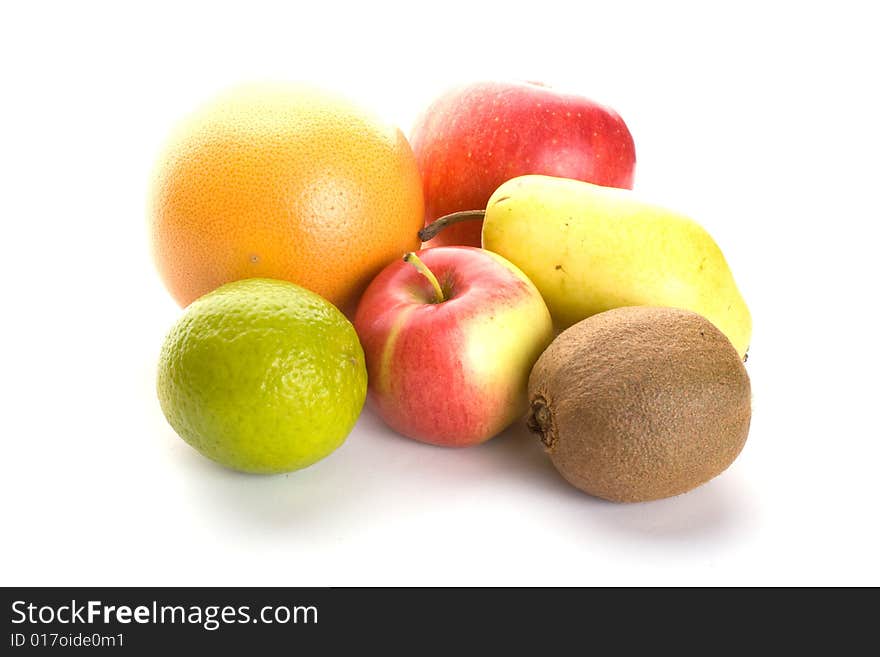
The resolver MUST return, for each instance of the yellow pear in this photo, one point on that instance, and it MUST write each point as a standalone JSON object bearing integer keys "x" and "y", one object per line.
{"x": 589, "y": 249}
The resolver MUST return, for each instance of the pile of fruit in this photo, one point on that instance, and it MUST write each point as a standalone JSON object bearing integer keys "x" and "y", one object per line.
{"x": 495, "y": 268}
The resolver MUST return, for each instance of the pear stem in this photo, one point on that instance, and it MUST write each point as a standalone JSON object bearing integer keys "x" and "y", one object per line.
{"x": 430, "y": 231}
{"x": 422, "y": 268}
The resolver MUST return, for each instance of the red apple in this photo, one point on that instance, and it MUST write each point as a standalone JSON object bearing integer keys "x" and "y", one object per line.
{"x": 476, "y": 137}
{"x": 450, "y": 336}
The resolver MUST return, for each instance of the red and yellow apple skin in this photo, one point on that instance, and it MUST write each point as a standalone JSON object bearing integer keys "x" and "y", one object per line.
{"x": 477, "y": 136}
{"x": 452, "y": 373}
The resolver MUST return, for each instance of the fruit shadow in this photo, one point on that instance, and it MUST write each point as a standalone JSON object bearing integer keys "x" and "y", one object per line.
{"x": 379, "y": 472}
{"x": 376, "y": 471}
{"x": 719, "y": 510}
{"x": 304, "y": 500}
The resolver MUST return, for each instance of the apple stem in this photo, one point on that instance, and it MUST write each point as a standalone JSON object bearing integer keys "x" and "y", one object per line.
{"x": 430, "y": 231}
{"x": 422, "y": 268}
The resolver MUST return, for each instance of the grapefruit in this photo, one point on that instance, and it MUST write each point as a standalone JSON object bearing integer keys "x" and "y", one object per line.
{"x": 283, "y": 181}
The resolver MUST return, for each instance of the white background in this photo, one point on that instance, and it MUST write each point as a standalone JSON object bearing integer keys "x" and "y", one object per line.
{"x": 760, "y": 121}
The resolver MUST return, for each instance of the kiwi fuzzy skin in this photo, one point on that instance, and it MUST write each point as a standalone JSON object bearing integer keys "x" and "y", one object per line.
{"x": 640, "y": 403}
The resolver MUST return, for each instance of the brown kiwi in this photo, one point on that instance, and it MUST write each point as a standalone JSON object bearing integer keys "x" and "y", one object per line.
{"x": 640, "y": 403}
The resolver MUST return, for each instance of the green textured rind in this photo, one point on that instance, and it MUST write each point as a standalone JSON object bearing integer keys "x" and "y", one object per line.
{"x": 262, "y": 376}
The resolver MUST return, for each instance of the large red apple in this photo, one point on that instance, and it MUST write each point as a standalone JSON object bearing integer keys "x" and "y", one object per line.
{"x": 450, "y": 336}
{"x": 476, "y": 137}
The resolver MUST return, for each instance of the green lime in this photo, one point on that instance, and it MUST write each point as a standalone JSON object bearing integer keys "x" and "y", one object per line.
{"x": 262, "y": 376}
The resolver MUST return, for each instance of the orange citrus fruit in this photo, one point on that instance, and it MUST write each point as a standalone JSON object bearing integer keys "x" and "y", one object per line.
{"x": 283, "y": 181}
